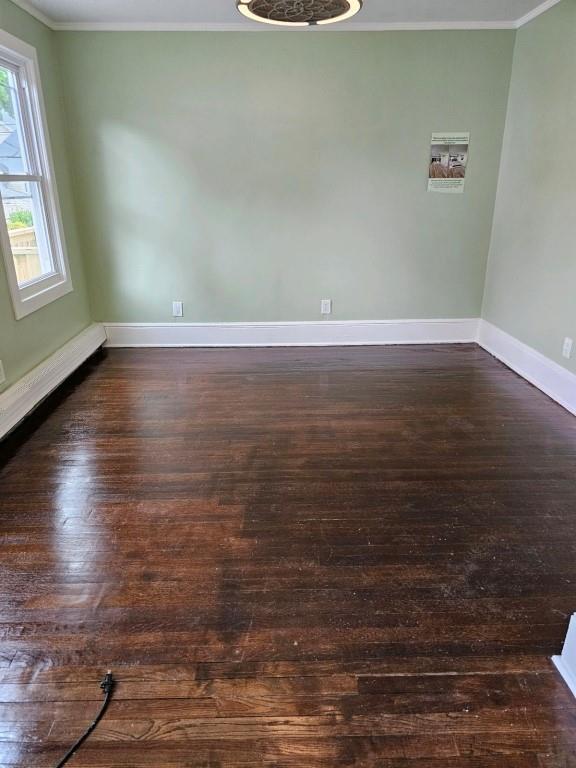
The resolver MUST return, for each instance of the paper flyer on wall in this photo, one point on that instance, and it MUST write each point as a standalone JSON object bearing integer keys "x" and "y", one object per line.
{"x": 448, "y": 161}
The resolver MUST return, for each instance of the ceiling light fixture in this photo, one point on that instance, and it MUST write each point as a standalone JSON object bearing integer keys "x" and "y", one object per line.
{"x": 298, "y": 13}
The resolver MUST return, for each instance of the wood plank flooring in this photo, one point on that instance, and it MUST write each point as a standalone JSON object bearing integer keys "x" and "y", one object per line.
{"x": 290, "y": 558}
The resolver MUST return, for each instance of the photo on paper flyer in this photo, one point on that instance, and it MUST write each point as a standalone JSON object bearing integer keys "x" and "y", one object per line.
{"x": 448, "y": 162}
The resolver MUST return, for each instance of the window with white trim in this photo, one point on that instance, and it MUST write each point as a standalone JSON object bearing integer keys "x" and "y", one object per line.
{"x": 30, "y": 227}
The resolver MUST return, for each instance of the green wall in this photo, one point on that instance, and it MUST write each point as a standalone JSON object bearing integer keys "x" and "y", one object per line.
{"x": 531, "y": 282}
{"x": 252, "y": 174}
{"x": 25, "y": 343}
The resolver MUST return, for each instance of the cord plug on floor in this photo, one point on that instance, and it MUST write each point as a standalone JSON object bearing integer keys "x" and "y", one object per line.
{"x": 107, "y": 686}
{"x": 108, "y": 683}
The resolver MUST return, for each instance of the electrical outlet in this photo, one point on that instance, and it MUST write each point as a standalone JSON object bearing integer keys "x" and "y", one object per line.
{"x": 326, "y": 307}
{"x": 567, "y": 348}
{"x": 177, "y": 309}
{"x": 2, "y": 374}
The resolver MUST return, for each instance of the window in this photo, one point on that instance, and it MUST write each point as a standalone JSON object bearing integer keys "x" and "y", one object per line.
{"x": 30, "y": 227}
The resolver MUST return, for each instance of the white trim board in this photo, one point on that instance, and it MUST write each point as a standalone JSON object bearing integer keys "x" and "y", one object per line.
{"x": 242, "y": 26}
{"x": 35, "y": 12}
{"x": 23, "y": 396}
{"x": 566, "y": 662}
{"x": 554, "y": 380}
{"x": 538, "y": 11}
{"x": 247, "y": 26}
{"x": 299, "y": 334}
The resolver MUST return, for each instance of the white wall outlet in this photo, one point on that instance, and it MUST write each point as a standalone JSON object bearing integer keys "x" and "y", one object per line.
{"x": 177, "y": 309}
{"x": 567, "y": 348}
{"x": 326, "y": 307}
{"x": 2, "y": 374}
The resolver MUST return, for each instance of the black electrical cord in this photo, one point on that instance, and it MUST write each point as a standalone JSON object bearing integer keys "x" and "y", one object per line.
{"x": 107, "y": 686}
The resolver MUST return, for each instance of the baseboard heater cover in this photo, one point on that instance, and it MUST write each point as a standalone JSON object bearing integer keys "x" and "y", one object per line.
{"x": 26, "y": 394}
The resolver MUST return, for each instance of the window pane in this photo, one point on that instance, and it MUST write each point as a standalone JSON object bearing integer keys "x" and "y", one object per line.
{"x": 26, "y": 230}
{"x": 12, "y": 143}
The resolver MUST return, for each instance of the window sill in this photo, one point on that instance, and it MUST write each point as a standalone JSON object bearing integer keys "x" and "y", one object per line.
{"x": 43, "y": 296}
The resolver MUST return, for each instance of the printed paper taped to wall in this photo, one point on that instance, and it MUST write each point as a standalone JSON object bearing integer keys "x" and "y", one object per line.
{"x": 448, "y": 161}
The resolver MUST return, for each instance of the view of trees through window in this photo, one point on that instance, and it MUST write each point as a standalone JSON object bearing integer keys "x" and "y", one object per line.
{"x": 20, "y": 199}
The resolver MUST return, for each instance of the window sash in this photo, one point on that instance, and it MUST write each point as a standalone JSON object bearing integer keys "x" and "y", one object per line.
{"x": 29, "y": 131}
{"x": 34, "y": 194}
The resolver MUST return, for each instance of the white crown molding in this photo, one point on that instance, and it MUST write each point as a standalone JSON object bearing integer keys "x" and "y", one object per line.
{"x": 22, "y": 397}
{"x": 304, "y": 334}
{"x": 566, "y": 662}
{"x": 538, "y": 11}
{"x": 554, "y": 380}
{"x": 27, "y": 6}
{"x": 243, "y": 26}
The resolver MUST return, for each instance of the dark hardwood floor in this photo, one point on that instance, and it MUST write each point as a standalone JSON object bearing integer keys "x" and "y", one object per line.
{"x": 306, "y": 558}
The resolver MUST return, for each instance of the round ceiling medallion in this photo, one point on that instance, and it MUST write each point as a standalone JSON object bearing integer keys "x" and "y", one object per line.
{"x": 299, "y": 13}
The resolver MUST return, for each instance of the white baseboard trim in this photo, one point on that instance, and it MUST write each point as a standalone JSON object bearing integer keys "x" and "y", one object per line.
{"x": 299, "y": 334}
{"x": 554, "y": 380}
{"x": 23, "y": 396}
{"x": 566, "y": 662}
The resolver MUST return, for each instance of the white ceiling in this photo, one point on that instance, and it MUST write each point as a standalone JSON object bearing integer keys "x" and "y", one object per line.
{"x": 222, "y": 14}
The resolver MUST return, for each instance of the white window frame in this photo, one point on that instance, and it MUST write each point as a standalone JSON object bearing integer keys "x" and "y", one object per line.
{"x": 38, "y": 293}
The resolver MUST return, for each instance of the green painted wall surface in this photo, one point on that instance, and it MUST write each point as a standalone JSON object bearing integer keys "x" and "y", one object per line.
{"x": 25, "y": 343}
{"x": 251, "y": 175}
{"x": 531, "y": 283}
